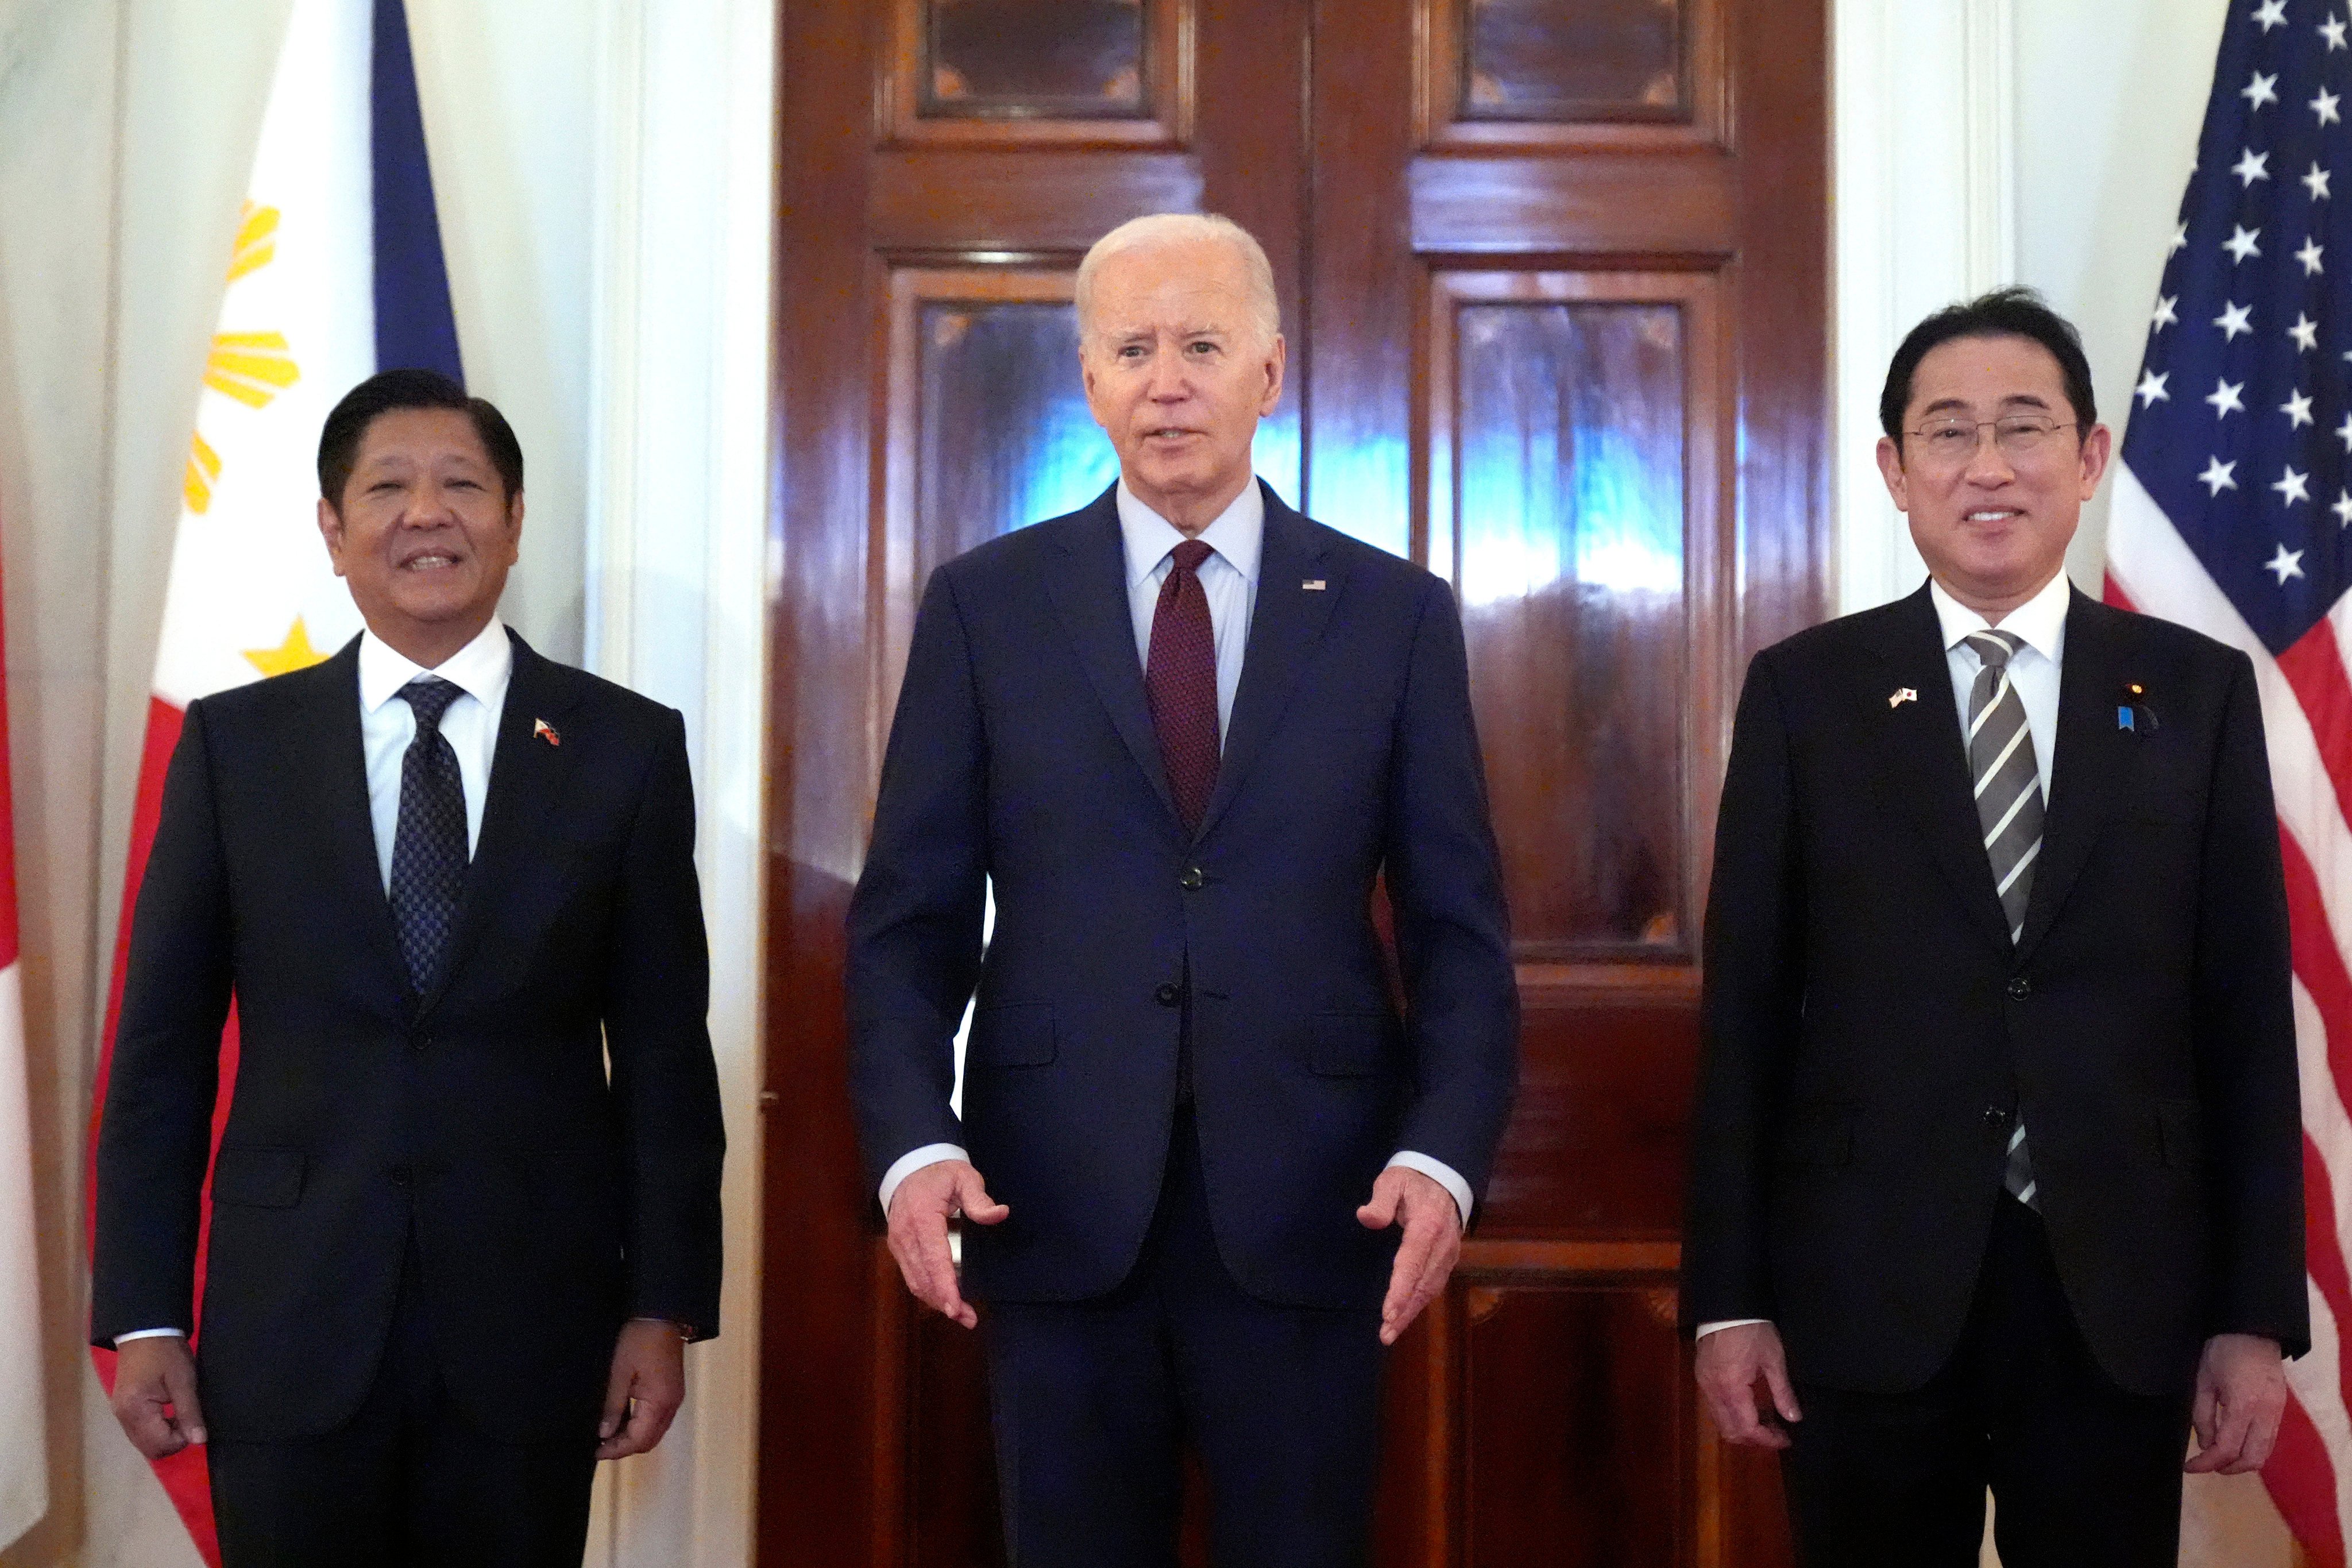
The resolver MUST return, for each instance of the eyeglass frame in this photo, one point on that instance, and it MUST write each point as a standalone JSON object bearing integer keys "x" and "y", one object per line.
{"x": 1978, "y": 426}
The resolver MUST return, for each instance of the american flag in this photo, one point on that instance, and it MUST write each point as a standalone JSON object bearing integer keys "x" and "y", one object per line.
{"x": 2233, "y": 513}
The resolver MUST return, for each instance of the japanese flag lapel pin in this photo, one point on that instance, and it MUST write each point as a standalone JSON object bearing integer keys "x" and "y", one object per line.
{"x": 1901, "y": 695}
{"x": 541, "y": 729}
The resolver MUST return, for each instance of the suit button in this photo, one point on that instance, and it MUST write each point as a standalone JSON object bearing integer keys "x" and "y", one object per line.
{"x": 419, "y": 1042}
{"x": 2019, "y": 988}
{"x": 1995, "y": 1118}
{"x": 1168, "y": 995}
{"x": 399, "y": 1175}
{"x": 1191, "y": 881}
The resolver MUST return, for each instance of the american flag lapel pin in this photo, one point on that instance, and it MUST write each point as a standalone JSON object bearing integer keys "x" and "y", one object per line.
{"x": 1902, "y": 694}
{"x": 544, "y": 731}
{"x": 1313, "y": 584}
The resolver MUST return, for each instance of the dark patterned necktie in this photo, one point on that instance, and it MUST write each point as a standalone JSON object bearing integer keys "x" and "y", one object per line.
{"x": 2009, "y": 810}
{"x": 428, "y": 847}
{"x": 1180, "y": 681}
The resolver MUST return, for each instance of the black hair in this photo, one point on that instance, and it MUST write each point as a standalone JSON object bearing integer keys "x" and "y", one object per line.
{"x": 2011, "y": 312}
{"x": 339, "y": 440}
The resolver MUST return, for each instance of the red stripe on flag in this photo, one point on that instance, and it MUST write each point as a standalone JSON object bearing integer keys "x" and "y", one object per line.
{"x": 2314, "y": 668}
{"x": 2114, "y": 593}
{"x": 2302, "y": 1481}
{"x": 187, "y": 1478}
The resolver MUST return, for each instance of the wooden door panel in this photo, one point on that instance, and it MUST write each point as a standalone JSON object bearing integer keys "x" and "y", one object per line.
{"x": 1573, "y": 74}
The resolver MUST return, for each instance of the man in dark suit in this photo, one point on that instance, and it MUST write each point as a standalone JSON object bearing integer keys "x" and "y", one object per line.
{"x": 1181, "y": 732}
{"x": 455, "y": 1256}
{"x": 1997, "y": 1163}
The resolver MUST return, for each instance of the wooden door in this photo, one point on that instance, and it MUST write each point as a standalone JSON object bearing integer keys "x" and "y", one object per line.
{"x": 1553, "y": 274}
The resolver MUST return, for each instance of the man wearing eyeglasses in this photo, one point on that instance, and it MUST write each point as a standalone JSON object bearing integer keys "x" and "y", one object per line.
{"x": 1997, "y": 1158}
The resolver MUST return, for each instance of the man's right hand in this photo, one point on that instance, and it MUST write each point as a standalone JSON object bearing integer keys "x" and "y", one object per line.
{"x": 919, "y": 1212}
{"x": 1730, "y": 1361}
{"x": 156, "y": 1395}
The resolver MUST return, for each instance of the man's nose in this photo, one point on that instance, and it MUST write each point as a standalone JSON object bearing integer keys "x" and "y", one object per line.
{"x": 427, "y": 504}
{"x": 1169, "y": 381}
{"x": 1988, "y": 465}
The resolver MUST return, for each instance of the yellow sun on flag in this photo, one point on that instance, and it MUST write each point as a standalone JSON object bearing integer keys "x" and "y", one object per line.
{"x": 256, "y": 241}
{"x": 252, "y": 367}
{"x": 295, "y": 653}
{"x": 204, "y": 467}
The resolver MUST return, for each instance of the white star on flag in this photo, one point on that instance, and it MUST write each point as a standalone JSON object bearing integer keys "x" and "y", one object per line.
{"x": 2316, "y": 182}
{"x": 2261, "y": 90}
{"x": 2293, "y": 487}
{"x": 2297, "y": 409}
{"x": 2151, "y": 388}
{"x": 2309, "y": 256}
{"x": 2306, "y": 332}
{"x": 2240, "y": 244}
{"x": 2343, "y": 508}
{"x": 2233, "y": 320}
{"x": 2251, "y": 166}
{"x": 2287, "y": 563}
{"x": 2270, "y": 14}
{"x": 2332, "y": 30}
{"x": 2225, "y": 398}
{"x": 2165, "y": 315}
{"x": 2216, "y": 477}
{"x": 2179, "y": 239}
{"x": 2324, "y": 105}
{"x": 2344, "y": 432}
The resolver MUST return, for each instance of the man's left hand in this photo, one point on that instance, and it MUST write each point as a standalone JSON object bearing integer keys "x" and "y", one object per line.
{"x": 647, "y": 1385}
{"x": 1433, "y": 1242}
{"x": 2241, "y": 1394}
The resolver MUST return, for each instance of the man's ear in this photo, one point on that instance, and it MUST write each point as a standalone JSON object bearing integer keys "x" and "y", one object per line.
{"x": 1890, "y": 468}
{"x": 331, "y": 529}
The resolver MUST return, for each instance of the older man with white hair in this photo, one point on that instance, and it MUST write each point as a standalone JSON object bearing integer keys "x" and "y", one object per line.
{"x": 1208, "y": 1165}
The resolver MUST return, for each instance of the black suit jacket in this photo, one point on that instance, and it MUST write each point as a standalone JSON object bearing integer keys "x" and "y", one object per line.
{"x": 1023, "y": 754}
{"x": 1870, "y": 1031}
{"x": 547, "y": 1200}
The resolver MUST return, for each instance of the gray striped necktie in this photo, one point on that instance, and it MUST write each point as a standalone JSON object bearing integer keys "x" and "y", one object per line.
{"x": 2008, "y": 808}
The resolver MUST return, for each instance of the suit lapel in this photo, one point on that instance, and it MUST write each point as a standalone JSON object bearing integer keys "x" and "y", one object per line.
{"x": 1284, "y": 630}
{"x": 2092, "y": 765}
{"x": 326, "y": 774}
{"x": 1090, "y": 597}
{"x": 527, "y": 774}
{"x": 1921, "y": 761}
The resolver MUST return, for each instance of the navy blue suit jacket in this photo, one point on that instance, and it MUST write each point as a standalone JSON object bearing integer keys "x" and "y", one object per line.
{"x": 548, "y": 1197}
{"x": 1023, "y": 754}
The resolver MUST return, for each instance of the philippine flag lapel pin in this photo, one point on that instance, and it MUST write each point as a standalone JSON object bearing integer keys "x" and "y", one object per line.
{"x": 544, "y": 731}
{"x": 1902, "y": 694}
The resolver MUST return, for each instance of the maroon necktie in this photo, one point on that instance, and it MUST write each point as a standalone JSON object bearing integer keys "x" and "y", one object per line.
{"x": 1180, "y": 681}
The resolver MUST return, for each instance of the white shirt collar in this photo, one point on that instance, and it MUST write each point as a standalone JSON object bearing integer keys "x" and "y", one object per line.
{"x": 2041, "y": 620}
{"x": 1236, "y": 535}
{"x": 480, "y": 668}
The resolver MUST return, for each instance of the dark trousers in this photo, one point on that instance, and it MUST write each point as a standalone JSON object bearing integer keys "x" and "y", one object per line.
{"x": 2083, "y": 1474}
{"x": 1095, "y": 1401}
{"x": 406, "y": 1482}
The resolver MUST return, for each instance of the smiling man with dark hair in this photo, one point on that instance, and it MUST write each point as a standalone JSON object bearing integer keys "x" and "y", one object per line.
{"x": 1997, "y": 1162}
{"x": 466, "y": 1208}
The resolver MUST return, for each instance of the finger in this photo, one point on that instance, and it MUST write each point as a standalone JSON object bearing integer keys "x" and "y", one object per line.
{"x": 1382, "y": 1212}
{"x": 2228, "y": 1446}
{"x": 616, "y": 1398}
{"x": 2261, "y": 1437}
{"x": 648, "y": 1420}
{"x": 971, "y": 1195}
{"x": 1431, "y": 1283}
{"x": 938, "y": 1269}
{"x": 2200, "y": 1414}
{"x": 143, "y": 1422}
{"x": 179, "y": 1384}
{"x": 1411, "y": 1257}
{"x": 1784, "y": 1393}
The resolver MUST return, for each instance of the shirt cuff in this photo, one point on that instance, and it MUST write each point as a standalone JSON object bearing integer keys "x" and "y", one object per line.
{"x": 122, "y": 1340}
{"x": 1706, "y": 1328}
{"x": 1444, "y": 1174}
{"x": 912, "y": 1160}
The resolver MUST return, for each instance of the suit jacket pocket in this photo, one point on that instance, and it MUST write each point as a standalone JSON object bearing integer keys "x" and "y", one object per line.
{"x": 1019, "y": 1036}
{"x": 2178, "y": 1139}
{"x": 263, "y": 1178}
{"x": 1348, "y": 1044}
{"x": 1818, "y": 1136}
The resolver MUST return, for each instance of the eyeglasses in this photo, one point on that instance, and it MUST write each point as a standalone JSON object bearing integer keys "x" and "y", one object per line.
{"x": 1954, "y": 440}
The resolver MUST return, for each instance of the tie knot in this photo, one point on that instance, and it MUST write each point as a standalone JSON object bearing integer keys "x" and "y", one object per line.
{"x": 1994, "y": 649}
{"x": 429, "y": 697}
{"x": 1191, "y": 554}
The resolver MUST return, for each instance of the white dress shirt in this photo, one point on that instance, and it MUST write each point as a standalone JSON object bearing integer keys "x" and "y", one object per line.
{"x": 2033, "y": 674}
{"x": 481, "y": 668}
{"x": 1229, "y": 578}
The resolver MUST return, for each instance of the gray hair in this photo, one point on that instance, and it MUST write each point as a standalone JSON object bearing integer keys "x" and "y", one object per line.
{"x": 1167, "y": 228}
